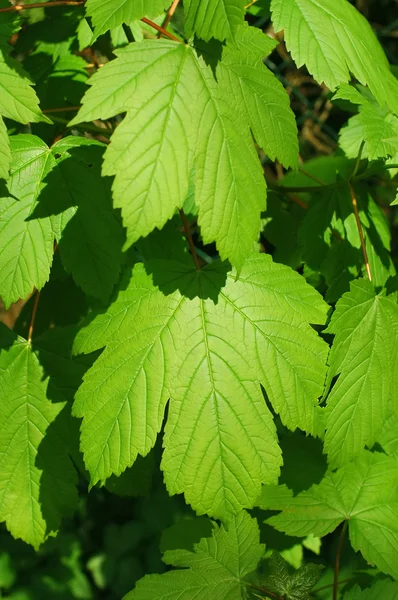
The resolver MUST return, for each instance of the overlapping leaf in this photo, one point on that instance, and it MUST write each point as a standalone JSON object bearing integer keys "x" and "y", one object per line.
{"x": 310, "y": 25}
{"x": 178, "y": 116}
{"x": 374, "y": 125}
{"x": 366, "y": 494}
{"x": 381, "y": 590}
{"x": 107, "y": 14}
{"x": 364, "y": 355}
{"x": 37, "y": 478}
{"x": 176, "y": 335}
{"x": 57, "y": 193}
{"x": 213, "y": 18}
{"x": 215, "y": 569}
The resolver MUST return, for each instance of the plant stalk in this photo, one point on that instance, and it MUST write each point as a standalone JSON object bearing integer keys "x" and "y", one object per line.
{"x": 360, "y": 231}
{"x": 190, "y": 240}
{"x": 337, "y": 561}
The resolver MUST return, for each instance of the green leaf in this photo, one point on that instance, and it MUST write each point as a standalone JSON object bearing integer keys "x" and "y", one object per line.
{"x": 208, "y": 347}
{"x": 18, "y": 100}
{"x": 263, "y": 100}
{"x": 309, "y": 26}
{"x": 177, "y": 114}
{"x": 364, "y": 355}
{"x": 26, "y": 246}
{"x": 37, "y": 479}
{"x": 365, "y": 493}
{"x": 58, "y": 193}
{"x": 107, "y": 14}
{"x": 380, "y": 590}
{"x": 295, "y": 585}
{"x": 216, "y": 568}
{"x": 213, "y": 18}
{"x": 5, "y": 151}
{"x": 90, "y": 237}
{"x": 374, "y": 125}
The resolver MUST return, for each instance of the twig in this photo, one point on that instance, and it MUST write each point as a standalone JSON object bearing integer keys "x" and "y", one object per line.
{"x": 312, "y": 177}
{"x": 337, "y": 561}
{"x": 160, "y": 29}
{"x": 169, "y": 16}
{"x": 18, "y": 7}
{"x": 189, "y": 239}
{"x": 360, "y": 231}
{"x": 326, "y": 587}
{"x": 60, "y": 109}
{"x": 33, "y": 318}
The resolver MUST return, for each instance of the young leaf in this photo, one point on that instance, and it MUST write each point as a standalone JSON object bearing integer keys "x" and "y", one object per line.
{"x": 213, "y": 18}
{"x": 309, "y": 28}
{"x": 295, "y": 585}
{"x": 37, "y": 479}
{"x": 208, "y": 341}
{"x": 364, "y": 355}
{"x": 364, "y": 492}
{"x": 107, "y": 14}
{"x": 215, "y": 569}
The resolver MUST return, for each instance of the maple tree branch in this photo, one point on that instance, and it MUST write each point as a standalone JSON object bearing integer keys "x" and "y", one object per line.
{"x": 360, "y": 231}
{"x": 33, "y": 317}
{"x": 337, "y": 561}
{"x": 18, "y": 7}
{"x": 190, "y": 240}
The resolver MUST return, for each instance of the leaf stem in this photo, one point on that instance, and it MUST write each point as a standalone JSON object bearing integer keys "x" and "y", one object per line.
{"x": 263, "y": 591}
{"x": 357, "y": 161}
{"x": 83, "y": 126}
{"x": 33, "y": 318}
{"x": 18, "y": 7}
{"x": 61, "y": 109}
{"x": 169, "y": 16}
{"x": 337, "y": 560}
{"x": 190, "y": 240}
{"x": 360, "y": 231}
{"x": 160, "y": 29}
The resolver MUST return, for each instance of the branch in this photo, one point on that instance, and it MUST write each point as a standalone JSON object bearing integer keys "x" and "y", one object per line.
{"x": 18, "y": 7}
{"x": 360, "y": 231}
{"x": 190, "y": 240}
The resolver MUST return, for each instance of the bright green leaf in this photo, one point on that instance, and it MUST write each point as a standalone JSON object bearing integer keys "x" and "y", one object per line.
{"x": 213, "y": 18}
{"x": 178, "y": 115}
{"x": 265, "y": 314}
{"x": 264, "y": 101}
{"x": 310, "y": 25}
{"x": 365, "y": 493}
{"x": 37, "y": 479}
{"x": 364, "y": 355}
{"x": 18, "y": 100}
{"x": 107, "y": 14}
{"x": 216, "y": 568}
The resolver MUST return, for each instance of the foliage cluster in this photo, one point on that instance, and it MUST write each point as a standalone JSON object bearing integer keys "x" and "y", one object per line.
{"x": 203, "y": 279}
